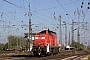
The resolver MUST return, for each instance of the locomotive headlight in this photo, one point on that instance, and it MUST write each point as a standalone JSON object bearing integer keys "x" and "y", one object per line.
{"x": 36, "y": 37}
{"x": 43, "y": 37}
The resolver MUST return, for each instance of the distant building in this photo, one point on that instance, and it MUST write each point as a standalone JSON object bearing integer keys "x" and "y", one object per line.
{"x": 26, "y": 35}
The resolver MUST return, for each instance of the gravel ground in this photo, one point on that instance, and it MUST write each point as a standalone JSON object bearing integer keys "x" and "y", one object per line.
{"x": 62, "y": 55}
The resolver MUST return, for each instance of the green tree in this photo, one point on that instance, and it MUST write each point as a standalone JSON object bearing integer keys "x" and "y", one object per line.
{"x": 16, "y": 41}
{"x": 5, "y": 46}
{"x": 1, "y": 46}
{"x": 78, "y": 46}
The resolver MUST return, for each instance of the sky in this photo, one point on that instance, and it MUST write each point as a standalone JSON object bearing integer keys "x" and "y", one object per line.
{"x": 14, "y": 17}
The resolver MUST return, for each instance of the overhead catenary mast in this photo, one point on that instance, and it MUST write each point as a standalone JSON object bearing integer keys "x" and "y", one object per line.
{"x": 8, "y": 36}
{"x": 78, "y": 38}
{"x": 30, "y": 27}
{"x": 72, "y": 33}
{"x": 65, "y": 33}
{"x": 60, "y": 41}
{"x": 69, "y": 39}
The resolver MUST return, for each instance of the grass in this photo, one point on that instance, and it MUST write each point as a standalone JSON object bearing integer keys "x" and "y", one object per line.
{"x": 23, "y": 53}
{"x": 88, "y": 58}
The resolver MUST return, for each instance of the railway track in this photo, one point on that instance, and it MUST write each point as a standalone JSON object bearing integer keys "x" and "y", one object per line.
{"x": 44, "y": 58}
{"x": 60, "y": 56}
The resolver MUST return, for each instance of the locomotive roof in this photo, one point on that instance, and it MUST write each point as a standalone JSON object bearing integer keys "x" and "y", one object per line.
{"x": 44, "y": 31}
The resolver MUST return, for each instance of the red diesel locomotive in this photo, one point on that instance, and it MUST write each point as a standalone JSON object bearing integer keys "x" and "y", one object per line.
{"x": 45, "y": 43}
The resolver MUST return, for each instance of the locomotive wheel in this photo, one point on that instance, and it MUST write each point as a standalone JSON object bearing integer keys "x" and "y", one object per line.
{"x": 35, "y": 53}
